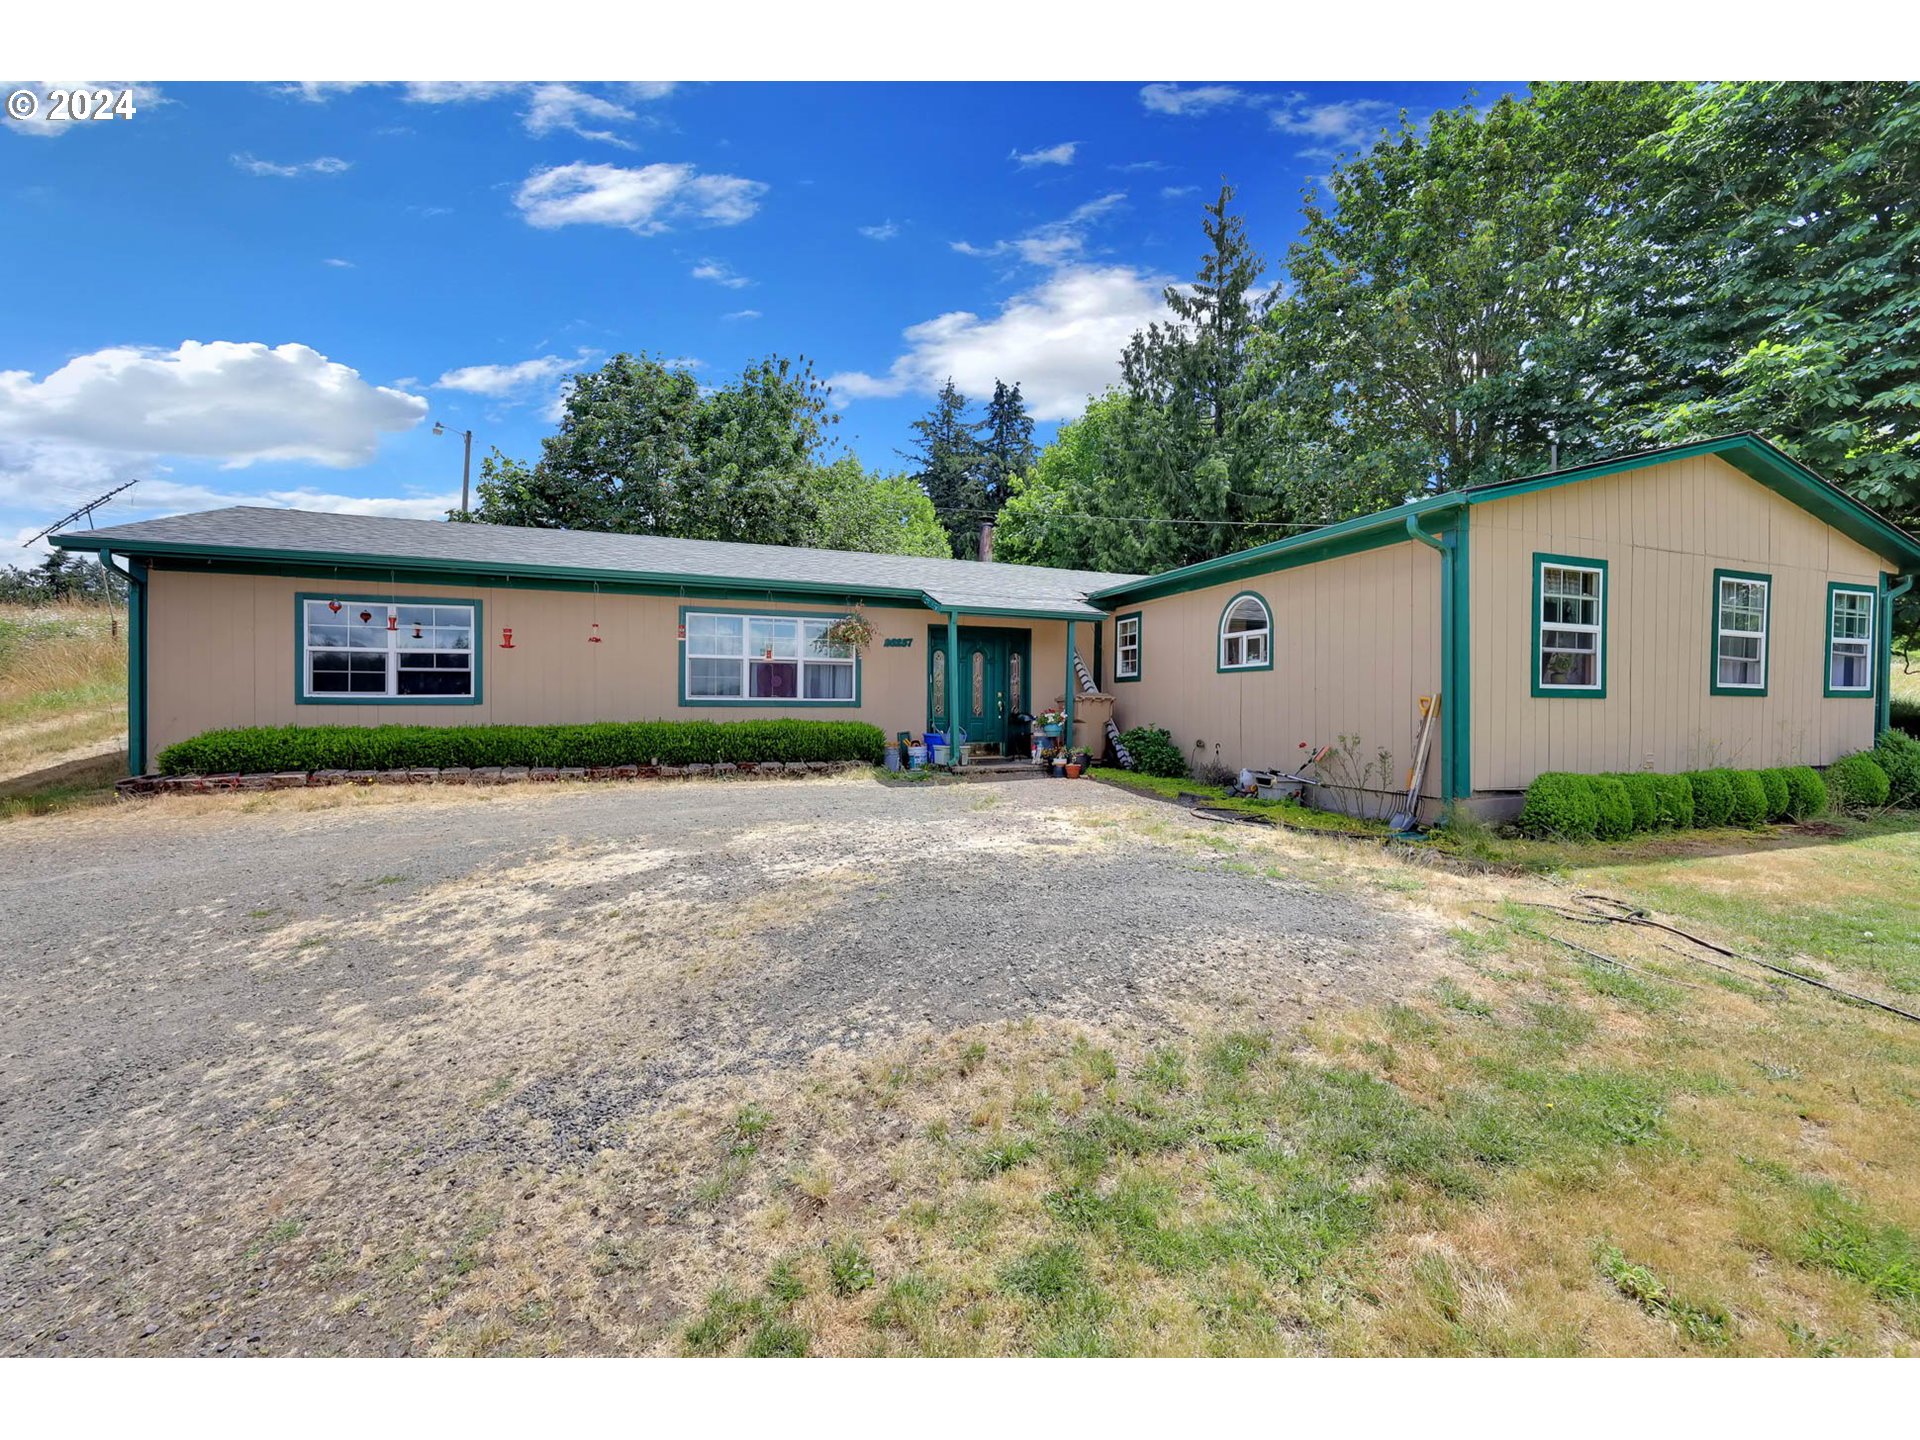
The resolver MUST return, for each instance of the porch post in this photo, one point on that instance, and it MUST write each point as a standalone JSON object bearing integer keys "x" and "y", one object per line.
{"x": 953, "y": 687}
{"x": 1073, "y": 684}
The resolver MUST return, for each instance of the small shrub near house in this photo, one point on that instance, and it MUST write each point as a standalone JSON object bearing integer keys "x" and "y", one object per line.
{"x": 1904, "y": 715}
{"x": 1898, "y": 753}
{"x": 408, "y": 747}
{"x": 1675, "y": 796}
{"x": 1559, "y": 806}
{"x": 1154, "y": 752}
{"x": 1749, "y": 798}
{"x": 1613, "y": 808}
{"x": 1645, "y": 797}
{"x": 1712, "y": 798}
{"x": 1858, "y": 782}
{"x": 1779, "y": 797}
{"x": 1806, "y": 792}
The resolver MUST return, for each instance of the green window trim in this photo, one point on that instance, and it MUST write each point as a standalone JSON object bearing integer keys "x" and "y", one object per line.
{"x": 1870, "y": 690}
{"x": 300, "y": 696}
{"x": 748, "y": 702}
{"x": 1139, "y": 646}
{"x": 1766, "y": 636}
{"x": 1220, "y": 666}
{"x": 1603, "y": 641}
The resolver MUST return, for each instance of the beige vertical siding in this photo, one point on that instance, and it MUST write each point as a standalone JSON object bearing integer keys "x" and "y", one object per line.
{"x": 1662, "y": 531}
{"x": 1356, "y": 642}
{"x": 222, "y": 652}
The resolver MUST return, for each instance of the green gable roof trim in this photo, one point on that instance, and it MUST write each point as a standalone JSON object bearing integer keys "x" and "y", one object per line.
{"x": 260, "y": 538}
{"x": 1747, "y": 453}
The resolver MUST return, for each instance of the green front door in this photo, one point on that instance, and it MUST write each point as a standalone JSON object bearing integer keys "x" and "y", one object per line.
{"x": 993, "y": 682}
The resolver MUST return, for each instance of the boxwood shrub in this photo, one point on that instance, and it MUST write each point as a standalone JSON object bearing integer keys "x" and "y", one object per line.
{"x": 1712, "y": 797}
{"x": 1154, "y": 752}
{"x": 1559, "y": 806}
{"x": 1749, "y": 798}
{"x": 1779, "y": 797}
{"x": 1675, "y": 797}
{"x": 1806, "y": 791}
{"x": 1645, "y": 796}
{"x": 1613, "y": 818}
{"x": 1898, "y": 753}
{"x": 406, "y": 747}
{"x": 1858, "y": 782}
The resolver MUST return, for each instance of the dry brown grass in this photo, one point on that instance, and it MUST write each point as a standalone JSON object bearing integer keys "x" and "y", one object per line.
{"x": 62, "y": 681}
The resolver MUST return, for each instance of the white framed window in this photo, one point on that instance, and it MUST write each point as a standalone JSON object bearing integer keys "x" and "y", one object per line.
{"x": 1569, "y": 626}
{"x": 1126, "y": 648}
{"x": 374, "y": 651}
{"x": 1740, "y": 621}
{"x": 783, "y": 659}
{"x": 1850, "y": 617}
{"x": 1246, "y": 634}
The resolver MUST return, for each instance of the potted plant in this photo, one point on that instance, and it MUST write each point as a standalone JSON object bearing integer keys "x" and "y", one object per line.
{"x": 853, "y": 629}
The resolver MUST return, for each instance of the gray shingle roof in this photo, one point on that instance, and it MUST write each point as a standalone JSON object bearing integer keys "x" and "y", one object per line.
{"x": 246, "y": 531}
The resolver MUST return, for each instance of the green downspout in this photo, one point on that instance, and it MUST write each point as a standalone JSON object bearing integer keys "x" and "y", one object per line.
{"x": 1883, "y": 688}
{"x": 136, "y": 578}
{"x": 1456, "y": 659}
{"x": 953, "y": 688}
{"x": 1073, "y": 684}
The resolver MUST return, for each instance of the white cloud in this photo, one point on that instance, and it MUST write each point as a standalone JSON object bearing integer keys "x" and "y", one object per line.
{"x": 551, "y": 107}
{"x": 643, "y": 200}
{"x": 1058, "y": 242}
{"x": 338, "y": 264}
{"x": 1338, "y": 126}
{"x": 720, "y": 273}
{"x": 43, "y": 123}
{"x": 233, "y": 402}
{"x": 886, "y": 231}
{"x": 1174, "y": 192}
{"x": 324, "y": 165}
{"x": 1165, "y": 99}
{"x": 741, "y": 315}
{"x": 565, "y": 107}
{"x": 500, "y": 381}
{"x": 1060, "y": 340}
{"x": 1061, "y": 154}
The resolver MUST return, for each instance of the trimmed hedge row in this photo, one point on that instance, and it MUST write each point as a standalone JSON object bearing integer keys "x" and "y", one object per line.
{"x": 406, "y": 747}
{"x": 1563, "y": 806}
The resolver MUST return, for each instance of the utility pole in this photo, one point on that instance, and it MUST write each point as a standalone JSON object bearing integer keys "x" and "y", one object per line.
{"x": 466, "y": 460}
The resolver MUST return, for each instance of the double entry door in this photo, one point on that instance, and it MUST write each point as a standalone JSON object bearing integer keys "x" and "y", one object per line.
{"x": 995, "y": 672}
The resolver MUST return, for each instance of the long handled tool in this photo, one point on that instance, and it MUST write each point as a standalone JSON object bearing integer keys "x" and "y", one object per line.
{"x": 1429, "y": 719}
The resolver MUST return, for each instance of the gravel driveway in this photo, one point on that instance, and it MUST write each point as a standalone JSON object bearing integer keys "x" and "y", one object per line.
{"x": 255, "y": 1049}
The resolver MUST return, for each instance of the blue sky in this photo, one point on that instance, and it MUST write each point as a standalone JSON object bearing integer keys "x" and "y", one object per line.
{"x": 261, "y": 294}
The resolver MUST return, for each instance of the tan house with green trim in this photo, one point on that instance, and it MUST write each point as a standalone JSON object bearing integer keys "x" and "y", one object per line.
{"x": 1711, "y": 603}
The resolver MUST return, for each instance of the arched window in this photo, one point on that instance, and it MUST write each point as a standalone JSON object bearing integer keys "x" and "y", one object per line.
{"x": 1246, "y": 634}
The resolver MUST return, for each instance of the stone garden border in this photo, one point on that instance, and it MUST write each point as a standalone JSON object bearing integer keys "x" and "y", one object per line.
{"x": 462, "y": 775}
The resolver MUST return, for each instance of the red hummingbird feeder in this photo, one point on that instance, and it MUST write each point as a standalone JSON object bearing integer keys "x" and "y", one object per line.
{"x": 393, "y": 621}
{"x": 594, "y": 637}
{"x": 506, "y": 637}
{"x": 334, "y": 606}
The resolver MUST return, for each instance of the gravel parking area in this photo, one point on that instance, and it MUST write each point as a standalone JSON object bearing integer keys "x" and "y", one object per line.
{"x": 263, "y": 1053}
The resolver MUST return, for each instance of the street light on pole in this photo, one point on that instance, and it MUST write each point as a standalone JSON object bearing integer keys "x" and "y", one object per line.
{"x": 466, "y": 461}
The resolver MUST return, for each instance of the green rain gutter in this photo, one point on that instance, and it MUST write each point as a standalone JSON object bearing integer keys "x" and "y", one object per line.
{"x": 136, "y": 578}
{"x": 1456, "y": 658}
{"x": 1883, "y": 704}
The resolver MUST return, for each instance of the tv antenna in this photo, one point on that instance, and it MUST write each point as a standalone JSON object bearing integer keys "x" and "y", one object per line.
{"x": 85, "y": 510}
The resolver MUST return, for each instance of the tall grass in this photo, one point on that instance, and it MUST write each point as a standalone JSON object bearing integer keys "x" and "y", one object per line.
{"x": 63, "y": 680}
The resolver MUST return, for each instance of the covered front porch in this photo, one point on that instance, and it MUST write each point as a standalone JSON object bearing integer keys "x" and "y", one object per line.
{"x": 1003, "y": 689}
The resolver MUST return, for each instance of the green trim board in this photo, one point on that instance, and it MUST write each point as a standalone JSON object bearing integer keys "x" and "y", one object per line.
{"x": 1713, "y": 637}
{"x": 1220, "y": 666}
{"x": 1139, "y": 646}
{"x": 1542, "y": 690}
{"x": 680, "y": 652}
{"x": 300, "y": 697}
{"x": 1872, "y": 687}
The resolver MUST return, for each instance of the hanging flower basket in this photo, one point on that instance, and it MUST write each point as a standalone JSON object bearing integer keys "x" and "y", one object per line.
{"x": 853, "y": 629}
